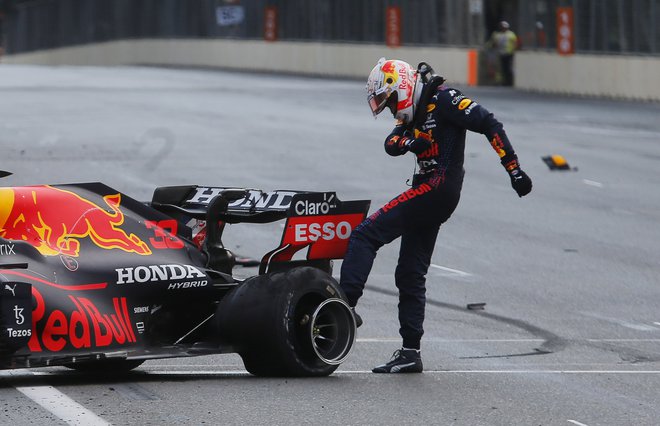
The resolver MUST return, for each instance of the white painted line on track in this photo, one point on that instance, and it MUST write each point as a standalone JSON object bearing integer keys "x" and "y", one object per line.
{"x": 592, "y": 183}
{"x": 520, "y": 372}
{"x": 360, "y": 372}
{"x": 440, "y": 340}
{"x": 575, "y": 422}
{"x": 57, "y": 403}
{"x": 623, "y": 340}
{"x": 621, "y": 322}
{"x": 61, "y": 405}
{"x": 453, "y": 271}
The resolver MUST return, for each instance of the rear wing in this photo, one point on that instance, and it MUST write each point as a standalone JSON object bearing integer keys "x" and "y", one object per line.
{"x": 246, "y": 205}
{"x": 316, "y": 221}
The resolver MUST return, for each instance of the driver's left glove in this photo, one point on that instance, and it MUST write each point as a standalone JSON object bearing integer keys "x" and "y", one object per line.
{"x": 520, "y": 182}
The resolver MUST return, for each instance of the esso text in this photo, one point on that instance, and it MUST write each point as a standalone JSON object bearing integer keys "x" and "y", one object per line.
{"x": 306, "y": 232}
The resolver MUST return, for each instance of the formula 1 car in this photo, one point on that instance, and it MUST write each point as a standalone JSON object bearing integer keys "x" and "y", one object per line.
{"x": 94, "y": 280}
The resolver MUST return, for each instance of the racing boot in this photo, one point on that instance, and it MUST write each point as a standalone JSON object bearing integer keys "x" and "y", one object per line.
{"x": 358, "y": 318}
{"x": 403, "y": 361}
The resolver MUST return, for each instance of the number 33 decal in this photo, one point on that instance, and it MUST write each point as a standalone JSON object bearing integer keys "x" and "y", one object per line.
{"x": 164, "y": 234}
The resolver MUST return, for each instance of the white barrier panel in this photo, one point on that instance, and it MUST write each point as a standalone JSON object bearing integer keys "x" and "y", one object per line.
{"x": 324, "y": 59}
{"x": 628, "y": 77}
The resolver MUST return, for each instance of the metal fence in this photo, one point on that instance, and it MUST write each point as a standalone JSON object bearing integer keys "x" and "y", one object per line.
{"x": 601, "y": 26}
{"x": 41, "y": 24}
{"x": 620, "y": 26}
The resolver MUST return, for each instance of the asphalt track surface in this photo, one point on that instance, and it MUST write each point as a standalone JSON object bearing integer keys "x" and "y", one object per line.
{"x": 570, "y": 333}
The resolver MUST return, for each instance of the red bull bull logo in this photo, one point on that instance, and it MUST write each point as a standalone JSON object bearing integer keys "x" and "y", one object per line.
{"x": 388, "y": 67}
{"x": 390, "y": 74}
{"x": 55, "y": 220}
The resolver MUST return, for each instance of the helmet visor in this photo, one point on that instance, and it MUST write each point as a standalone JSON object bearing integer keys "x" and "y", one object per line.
{"x": 377, "y": 102}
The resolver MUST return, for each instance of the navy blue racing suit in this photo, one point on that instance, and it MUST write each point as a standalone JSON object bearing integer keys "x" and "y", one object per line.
{"x": 416, "y": 214}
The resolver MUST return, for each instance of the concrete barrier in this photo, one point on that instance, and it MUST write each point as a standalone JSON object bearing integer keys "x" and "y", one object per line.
{"x": 311, "y": 58}
{"x": 629, "y": 77}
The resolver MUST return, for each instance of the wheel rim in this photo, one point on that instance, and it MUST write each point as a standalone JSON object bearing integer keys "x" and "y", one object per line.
{"x": 332, "y": 331}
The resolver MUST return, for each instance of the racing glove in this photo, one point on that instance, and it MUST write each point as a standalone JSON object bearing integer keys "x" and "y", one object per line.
{"x": 418, "y": 145}
{"x": 520, "y": 182}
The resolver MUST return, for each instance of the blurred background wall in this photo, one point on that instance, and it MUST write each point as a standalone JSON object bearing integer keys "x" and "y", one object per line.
{"x": 585, "y": 47}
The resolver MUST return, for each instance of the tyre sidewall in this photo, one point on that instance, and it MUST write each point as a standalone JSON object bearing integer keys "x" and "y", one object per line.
{"x": 259, "y": 318}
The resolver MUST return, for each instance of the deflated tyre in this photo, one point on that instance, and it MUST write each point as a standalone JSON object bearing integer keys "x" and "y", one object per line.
{"x": 293, "y": 323}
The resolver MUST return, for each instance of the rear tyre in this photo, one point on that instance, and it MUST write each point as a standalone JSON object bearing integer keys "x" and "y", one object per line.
{"x": 293, "y": 323}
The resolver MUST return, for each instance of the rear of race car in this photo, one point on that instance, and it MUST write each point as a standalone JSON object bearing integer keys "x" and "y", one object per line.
{"x": 114, "y": 282}
{"x": 291, "y": 319}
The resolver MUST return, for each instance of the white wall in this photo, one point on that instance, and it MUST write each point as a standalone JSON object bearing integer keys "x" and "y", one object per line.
{"x": 326, "y": 59}
{"x": 630, "y": 77}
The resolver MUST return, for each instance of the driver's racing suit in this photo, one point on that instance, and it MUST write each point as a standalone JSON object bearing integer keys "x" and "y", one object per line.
{"x": 438, "y": 141}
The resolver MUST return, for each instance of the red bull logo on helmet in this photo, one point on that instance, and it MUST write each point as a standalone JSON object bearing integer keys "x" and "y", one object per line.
{"x": 55, "y": 220}
{"x": 389, "y": 68}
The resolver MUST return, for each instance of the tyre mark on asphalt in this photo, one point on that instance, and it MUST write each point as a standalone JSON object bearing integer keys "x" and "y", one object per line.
{"x": 625, "y": 352}
{"x": 551, "y": 342}
{"x": 160, "y": 137}
{"x": 133, "y": 392}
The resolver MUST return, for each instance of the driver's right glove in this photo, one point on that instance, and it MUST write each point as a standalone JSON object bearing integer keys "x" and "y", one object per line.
{"x": 419, "y": 144}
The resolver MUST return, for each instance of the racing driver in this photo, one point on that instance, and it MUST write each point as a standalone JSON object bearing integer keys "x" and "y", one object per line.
{"x": 431, "y": 123}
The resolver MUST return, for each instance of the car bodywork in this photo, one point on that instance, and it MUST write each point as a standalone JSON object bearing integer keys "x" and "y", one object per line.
{"x": 90, "y": 277}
